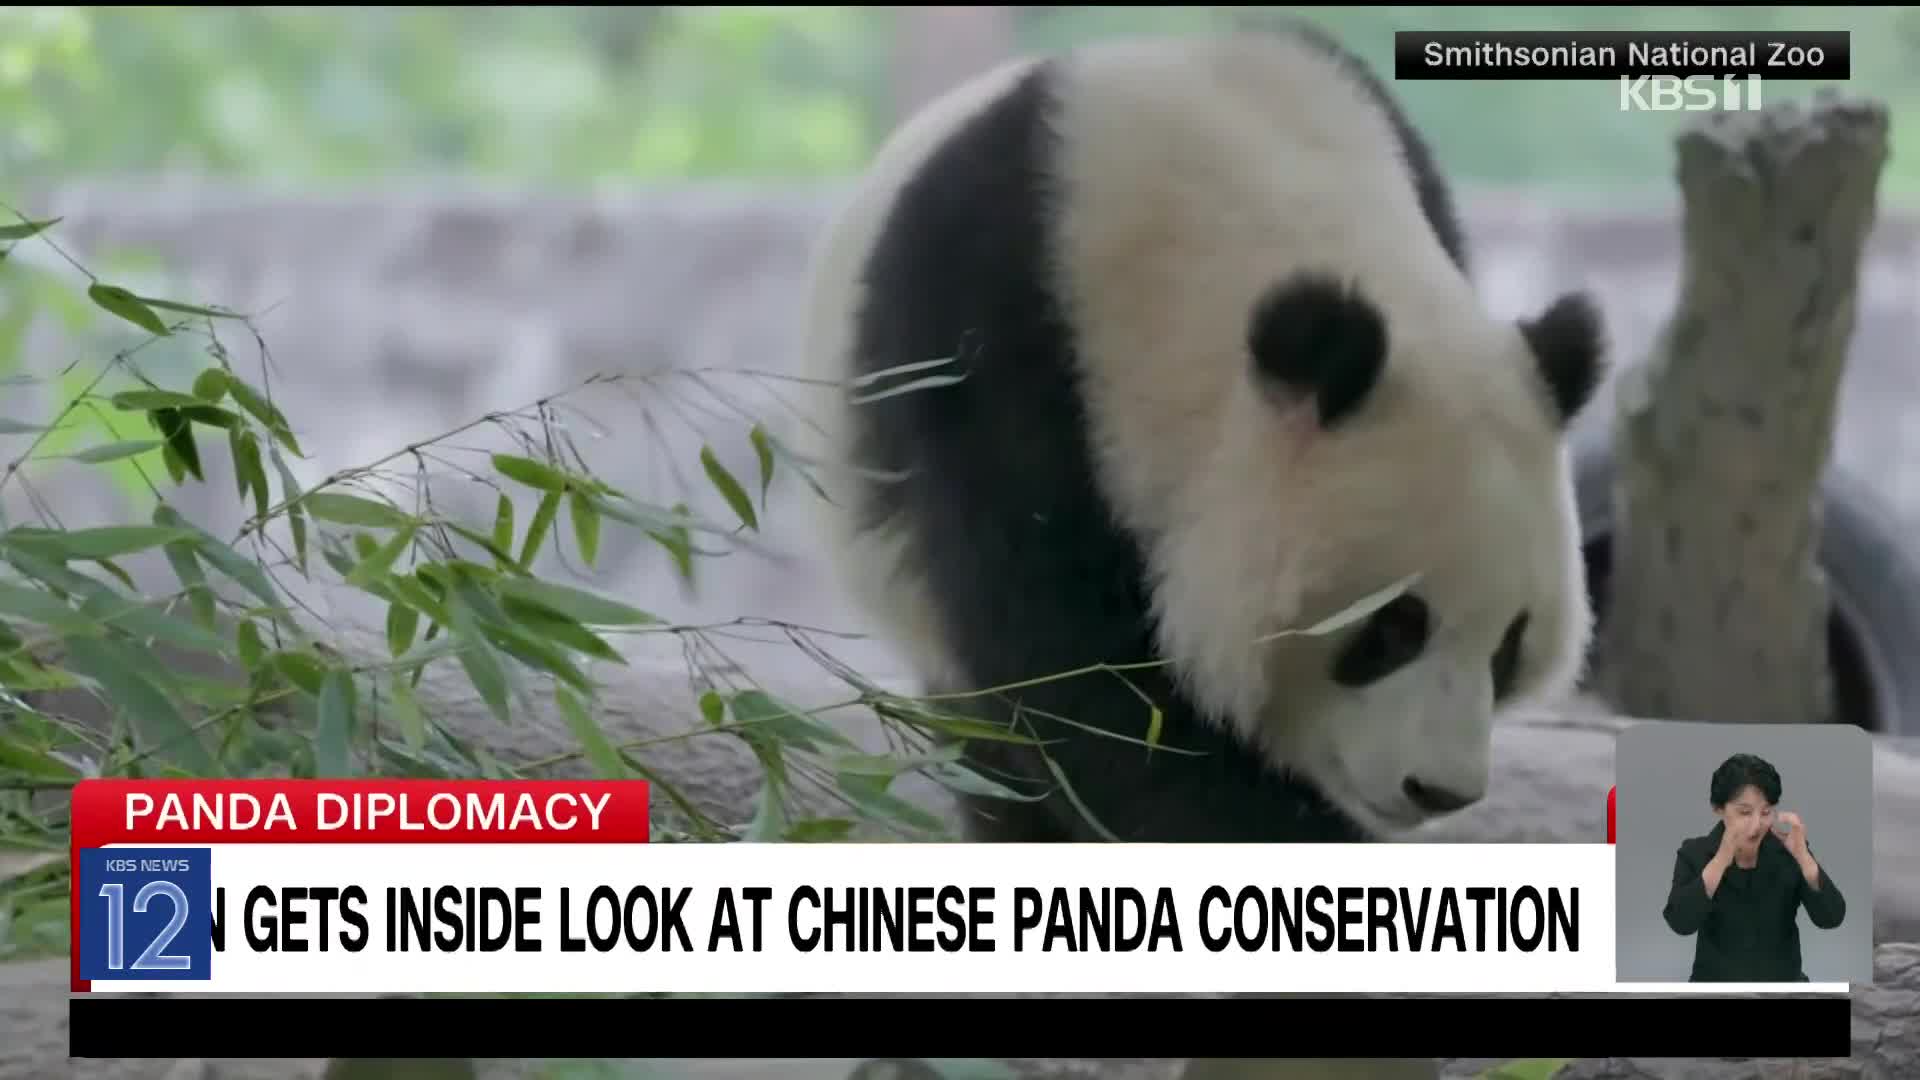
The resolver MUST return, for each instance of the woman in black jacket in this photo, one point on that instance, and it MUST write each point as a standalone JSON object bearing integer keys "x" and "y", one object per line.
{"x": 1739, "y": 888}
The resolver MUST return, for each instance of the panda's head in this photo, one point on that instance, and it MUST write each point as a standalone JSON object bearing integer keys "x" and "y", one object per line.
{"x": 1384, "y": 435}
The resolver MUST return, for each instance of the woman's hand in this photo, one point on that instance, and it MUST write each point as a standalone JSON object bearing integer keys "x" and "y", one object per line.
{"x": 1796, "y": 835}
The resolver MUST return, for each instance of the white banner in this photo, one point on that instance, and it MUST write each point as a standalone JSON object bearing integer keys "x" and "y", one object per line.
{"x": 908, "y": 918}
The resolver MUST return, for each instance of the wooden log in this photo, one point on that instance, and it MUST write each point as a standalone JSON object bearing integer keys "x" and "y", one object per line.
{"x": 1717, "y": 611}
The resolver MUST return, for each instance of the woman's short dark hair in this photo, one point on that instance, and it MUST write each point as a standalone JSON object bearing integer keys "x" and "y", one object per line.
{"x": 1740, "y": 770}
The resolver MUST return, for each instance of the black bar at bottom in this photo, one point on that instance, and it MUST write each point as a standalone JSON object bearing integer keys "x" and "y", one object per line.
{"x": 1752, "y": 1027}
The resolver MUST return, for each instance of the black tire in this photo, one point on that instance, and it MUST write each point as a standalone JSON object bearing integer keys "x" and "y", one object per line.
{"x": 1873, "y": 582}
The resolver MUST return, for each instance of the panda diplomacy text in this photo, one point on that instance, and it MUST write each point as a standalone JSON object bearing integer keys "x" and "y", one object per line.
{"x": 900, "y": 919}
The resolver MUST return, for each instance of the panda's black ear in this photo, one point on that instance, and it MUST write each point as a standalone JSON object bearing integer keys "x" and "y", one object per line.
{"x": 1568, "y": 340}
{"x": 1313, "y": 335}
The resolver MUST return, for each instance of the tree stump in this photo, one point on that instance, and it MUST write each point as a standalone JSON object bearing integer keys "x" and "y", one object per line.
{"x": 1718, "y": 611}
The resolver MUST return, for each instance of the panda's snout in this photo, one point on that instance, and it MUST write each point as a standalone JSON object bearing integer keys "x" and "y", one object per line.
{"x": 1434, "y": 799}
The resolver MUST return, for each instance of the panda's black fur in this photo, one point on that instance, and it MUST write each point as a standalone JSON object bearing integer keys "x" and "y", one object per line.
{"x": 1032, "y": 572}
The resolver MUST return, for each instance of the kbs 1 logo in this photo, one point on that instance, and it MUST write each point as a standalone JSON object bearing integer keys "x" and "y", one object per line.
{"x": 1695, "y": 93}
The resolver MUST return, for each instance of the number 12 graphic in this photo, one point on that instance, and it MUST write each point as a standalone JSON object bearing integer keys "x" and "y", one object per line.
{"x": 147, "y": 914}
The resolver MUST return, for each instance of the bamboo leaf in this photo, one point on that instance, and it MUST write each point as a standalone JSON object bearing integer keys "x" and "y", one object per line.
{"x": 24, "y": 229}
{"x": 763, "y": 449}
{"x": 606, "y": 760}
{"x": 155, "y": 719}
{"x": 126, "y": 305}
{"x": 402, "y": 621}
{"x": 344, "y": 509}
{"x": 264, "y": 411}
{"x": 149, "y": 400}
{"x": 543, "y": 516}
{"x": 335, "y": 724}
{"x": 103, "y": 542}
{"x": 116, "y": 451}
{"x": 586, "y": 525}
{"x": 527, "y": 471}
{"x": 576, "y": 604}
{"x": 728, "y": 487}
{"x": 210, "y": 385}
{"x": 503, "y": 523}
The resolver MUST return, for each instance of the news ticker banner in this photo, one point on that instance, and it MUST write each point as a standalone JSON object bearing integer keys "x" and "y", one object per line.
{"x": 424, "y": 886}
{"x": 1611, "y": 54}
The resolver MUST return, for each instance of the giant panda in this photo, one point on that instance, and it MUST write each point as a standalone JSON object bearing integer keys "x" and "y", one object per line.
{"x": 1215, "y": 371}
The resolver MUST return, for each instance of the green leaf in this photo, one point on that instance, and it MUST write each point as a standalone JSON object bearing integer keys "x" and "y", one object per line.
{"x": 402, "y": 621}
{"x": 300, "y": 669}
{"x": 784, "y": 722}
{"x": 576, "y": 604}
{"x": 182, "y": 450}
{"x": 136, "y": 617}
{"x": 818, "y": 831}
{"x": 264, "y": 411}
{"x": 477, "y": 657}
{"x": 679, "y": 544}
{"x": 335, "y": 724}
{"x": 188, "y": 309}
{"x": 153, "y": 716}
{"x": 956, "y": 777}
{"x": 343, "y": 509}
{"x": 1527, "y": 1069}
{"x": 211, "y": 416}
{"x": 889, "y": 765}
{"x": 712, "y": 709}
{"x": 27, "y": 228}
{"x": 211, "y": 385}
{"x": 379, "y": 563}
{"x": 502, "y": 557}
{"x": 413, "y": 726}
{"x": 103, "y": 542}
{"x": 16, "y": 427}
{"x": 17, "y": 757}
{"x": 763, "y": 449}
{"x": 769, "y": 816}
{"x": 870, "y": 794}
{"x": 119, "y": 301}
{"x": 244, "y": 572}
{"x": 418, "y": 596}
{"x": 116, "y": 451}
{"x": 252, "y": 649}
{"x": 552, "y": 626}
{"x": 1073, "y": 797}
{"x": 586, "y": 525}
{"x": 1155, "y": 720}
{"x": 41, "y": 608}
{"x": 728, "y": 487}
{"x": 503, "y": 523}
{"x": 149, "y": 400}
{"x": 532, "y": 473}
{"x": 971, "y": 1069}
{"x": 537, "y": 530}
{"x": 296, "y": 519}
{"x": 535, "y": 653}
{"x": 249, "y": 471}
{"x": 599, "y": 751}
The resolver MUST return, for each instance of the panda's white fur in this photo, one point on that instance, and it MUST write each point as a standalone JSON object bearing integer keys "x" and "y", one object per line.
{"x": 1093, "y": 236}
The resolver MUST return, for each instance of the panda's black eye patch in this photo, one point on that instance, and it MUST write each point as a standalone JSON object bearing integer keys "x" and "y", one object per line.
{"x": 1506, "y": 659}
{"x": 1392, "y": 638}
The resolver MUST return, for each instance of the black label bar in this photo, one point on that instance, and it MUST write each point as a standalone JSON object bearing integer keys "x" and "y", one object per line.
{"x": 1615, "y": 54}
{"x": 841, "y": 1026}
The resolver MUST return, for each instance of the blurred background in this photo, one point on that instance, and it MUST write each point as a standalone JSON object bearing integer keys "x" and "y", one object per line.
{"x": 434, "y": 213}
